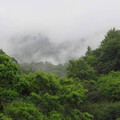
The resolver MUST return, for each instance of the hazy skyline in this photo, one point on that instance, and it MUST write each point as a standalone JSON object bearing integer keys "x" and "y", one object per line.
{"x": 60, "y": 21}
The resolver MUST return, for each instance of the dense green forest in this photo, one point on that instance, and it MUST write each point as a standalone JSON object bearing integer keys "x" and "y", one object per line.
{"x": 90, "y": 90}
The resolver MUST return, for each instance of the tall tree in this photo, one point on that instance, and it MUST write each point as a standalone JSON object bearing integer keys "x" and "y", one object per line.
{"x": 109, "y": 58}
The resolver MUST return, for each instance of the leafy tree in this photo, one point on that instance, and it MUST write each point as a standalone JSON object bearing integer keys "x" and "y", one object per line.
{"x": 8, "y": 78}
{"x": 46, "y": 102}
{"x": 109, "y": 85}
{"x": 25, "y": 84}
{"x": 109, "y": 52}
{"x": 7, "y": 95}
{"x": 80, "y": 69}
{"x": 46, "y": 82}
{"x": 8, "y": 71}
{"x": 54, "y": 115}
{"x": 23, "y": 111}
{"x": 72, "y": 92}
{"x": 93, "y": 95}
{"x": 91, "y": 57}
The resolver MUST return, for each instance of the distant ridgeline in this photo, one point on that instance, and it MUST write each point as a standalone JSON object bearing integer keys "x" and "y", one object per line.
{"x": 59, "y": 69}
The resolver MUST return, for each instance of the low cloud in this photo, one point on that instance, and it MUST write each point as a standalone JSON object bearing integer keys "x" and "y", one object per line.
{"x": 36, "y": 48}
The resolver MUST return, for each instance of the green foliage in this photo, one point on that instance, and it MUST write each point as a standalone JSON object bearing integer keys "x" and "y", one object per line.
{"x": 8, "y": 71}
{"x": 46, "y": 102}
{"x": 46, "y": 82}
{"x": 23, "y": 111}
{"x": 91, "y": 58}
{"x": 49, "y": 93}
{"x": 109, "y": 85}
{"x": 109, "y": 52}
{"x": 8, "y": 78}
{"x": 24, "y": 84}
{"x": 80, "y": 69}
{"x": 51, "y": 102}
{"x": 72, "y": 93}
{"x": 4, "y": 117}
{"x": 105, "y": 110}
{"x": 7, "y": 95}
{"x": 114, "y": 111}
{"x": 106, "y": 58}
{"x": 93, "y": 95}
{"x": 54, "y": 115}
{"x": 77, "y": 115}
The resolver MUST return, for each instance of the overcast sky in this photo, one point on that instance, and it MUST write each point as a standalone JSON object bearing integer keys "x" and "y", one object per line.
{"x": 59, "y": 20}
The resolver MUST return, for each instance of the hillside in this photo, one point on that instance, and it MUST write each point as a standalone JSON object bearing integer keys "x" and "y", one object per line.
{"x": 90, "y": 90}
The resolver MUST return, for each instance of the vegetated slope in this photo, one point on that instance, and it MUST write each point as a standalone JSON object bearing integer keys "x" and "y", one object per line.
{"x": 38, "y": 95}
{"x": 89, "y": 91}
{"x": 48, "y": 67}
{"x": 99, "y": 71}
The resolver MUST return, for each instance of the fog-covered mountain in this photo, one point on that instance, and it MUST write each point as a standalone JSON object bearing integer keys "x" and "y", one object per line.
{"x": 36, "y": 48}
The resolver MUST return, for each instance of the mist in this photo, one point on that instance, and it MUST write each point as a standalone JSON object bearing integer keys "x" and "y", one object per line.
{"x": 38, "y": 48}
{"x": 56, "y": 30}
